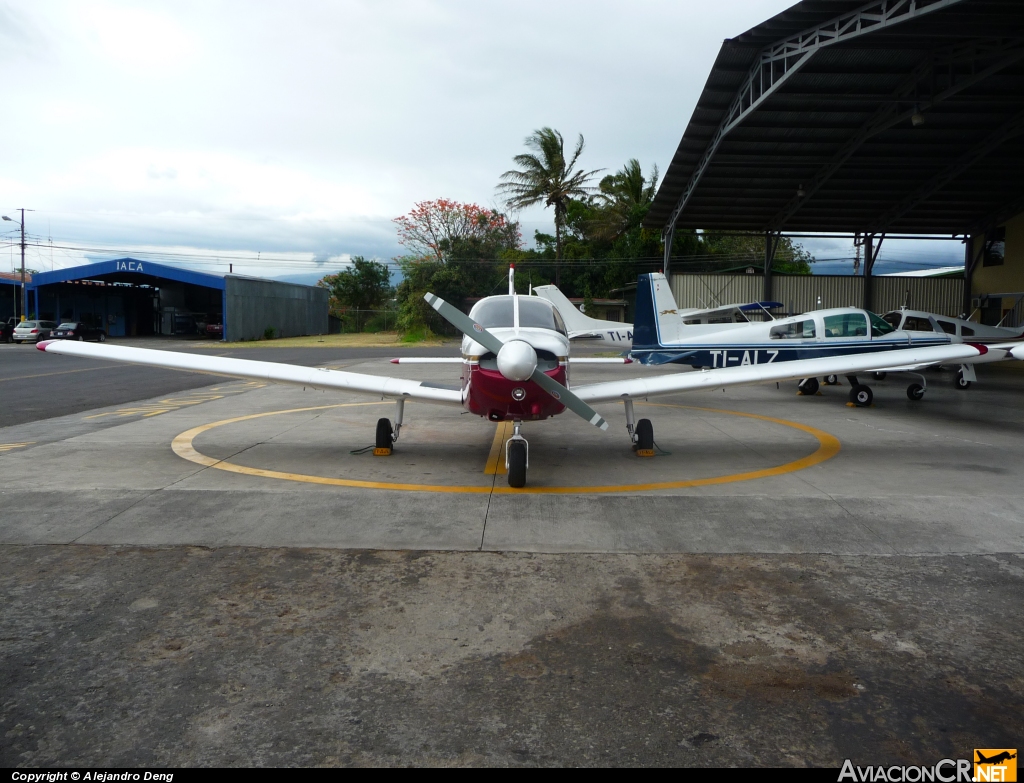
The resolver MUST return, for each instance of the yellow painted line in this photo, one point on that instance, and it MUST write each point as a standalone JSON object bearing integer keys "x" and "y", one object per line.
{"x": 12, "y": 446}
{"x": 61, "y": 372}
{"x": 828, "y": 447}
{"x": 496, "y": 459}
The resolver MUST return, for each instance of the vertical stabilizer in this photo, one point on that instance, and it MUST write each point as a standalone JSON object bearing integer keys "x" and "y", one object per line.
{"x": 657, "y": 320}
{"x": 575, "y": 321}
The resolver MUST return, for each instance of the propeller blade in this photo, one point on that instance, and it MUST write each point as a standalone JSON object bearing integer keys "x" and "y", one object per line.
{"x": 475, "y": 331}
{"x": 464, "y": 323}
{"x": 568, "y": 399}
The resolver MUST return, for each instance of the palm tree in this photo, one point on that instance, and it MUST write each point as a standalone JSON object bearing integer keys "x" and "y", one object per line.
{"x": 544, "y": 177}
{"x": 627, "y": 195}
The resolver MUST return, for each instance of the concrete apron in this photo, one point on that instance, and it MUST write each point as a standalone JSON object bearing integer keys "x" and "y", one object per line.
{"x": 750, "y": 472}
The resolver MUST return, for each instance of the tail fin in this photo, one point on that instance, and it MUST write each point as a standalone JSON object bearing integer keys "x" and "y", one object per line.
{"x": 575, "y": 321}
{"x": 657, "y": 320}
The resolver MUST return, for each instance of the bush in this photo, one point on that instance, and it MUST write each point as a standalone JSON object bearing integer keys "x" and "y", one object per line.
{"x": 268, "y": 333}
{"x": 417, "y": 334}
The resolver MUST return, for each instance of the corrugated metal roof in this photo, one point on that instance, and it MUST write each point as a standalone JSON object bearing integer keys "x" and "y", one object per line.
{"x": 128, "y": 270}
{"x": 752, "y": 180}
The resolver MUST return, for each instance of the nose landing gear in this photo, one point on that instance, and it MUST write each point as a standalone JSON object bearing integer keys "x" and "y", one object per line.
{"x": 517, "y": 457}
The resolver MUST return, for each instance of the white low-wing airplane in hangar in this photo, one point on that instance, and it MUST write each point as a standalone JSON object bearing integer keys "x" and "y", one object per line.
{"x": 515, "y": 367}
{"x": 661, "y": 337}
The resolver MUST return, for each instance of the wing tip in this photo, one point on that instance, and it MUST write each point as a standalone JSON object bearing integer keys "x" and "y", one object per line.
{"x": 395, "y": 361}
{"x": 41, "y": 345}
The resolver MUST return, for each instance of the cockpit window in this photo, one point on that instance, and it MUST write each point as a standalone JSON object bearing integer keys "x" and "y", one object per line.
{"x": 539, "y": 313}
{"x": 947, "y": 326}
{"x": 497, "y": 312}
{"x": 893, "y": 319}
{"x": 917, "y": 324}
{"x": 801, "y": 330}
{"x": 879, "y": 326}
{"x": 846, "y": 325}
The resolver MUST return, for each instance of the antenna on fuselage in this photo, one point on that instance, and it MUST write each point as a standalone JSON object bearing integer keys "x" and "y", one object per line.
{"x": 511, "y": 279}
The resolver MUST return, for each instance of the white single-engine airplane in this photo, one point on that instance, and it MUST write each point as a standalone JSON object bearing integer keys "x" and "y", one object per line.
{"x": 959, "y": 330}
{"x": 515, "y": 367}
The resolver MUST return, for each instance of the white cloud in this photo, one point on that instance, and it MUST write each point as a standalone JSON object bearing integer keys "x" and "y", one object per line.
{"x": 268, "y": 127}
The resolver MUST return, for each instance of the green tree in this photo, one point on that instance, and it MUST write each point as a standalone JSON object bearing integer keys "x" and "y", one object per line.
{"x": 626, "y": 196}
{"x": 749, "y": 249}
{"x": 365, "y": 285}
{"x": 545, "y": 177}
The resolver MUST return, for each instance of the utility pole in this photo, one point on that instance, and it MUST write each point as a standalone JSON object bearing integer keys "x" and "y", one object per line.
{"x": 24, "y": 290}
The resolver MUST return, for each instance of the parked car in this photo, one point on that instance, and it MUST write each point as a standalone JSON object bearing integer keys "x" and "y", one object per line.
{"x": 215, "y": 330}
{"x": 76, "y": 330}
{"x": 33, "y": 331}
{"x": 7, "y": 330}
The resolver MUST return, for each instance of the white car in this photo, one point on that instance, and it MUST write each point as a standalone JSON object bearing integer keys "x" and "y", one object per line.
{"x": 33, "y": 331}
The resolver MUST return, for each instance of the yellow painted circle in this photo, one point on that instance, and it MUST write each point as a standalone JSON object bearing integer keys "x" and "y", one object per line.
{"x": 828, "y": 447}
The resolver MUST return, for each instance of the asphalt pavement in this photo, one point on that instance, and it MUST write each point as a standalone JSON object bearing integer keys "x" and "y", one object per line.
{"x": 35, "y": 385}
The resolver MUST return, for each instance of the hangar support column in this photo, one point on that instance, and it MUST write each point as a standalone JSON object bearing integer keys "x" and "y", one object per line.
{"x": 771, "y": 244}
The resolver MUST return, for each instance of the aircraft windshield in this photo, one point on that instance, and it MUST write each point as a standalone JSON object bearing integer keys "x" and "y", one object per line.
{"x": 497, "y": 311}
{"x": 878, "y": 325}
{"x": 893, "y": 318}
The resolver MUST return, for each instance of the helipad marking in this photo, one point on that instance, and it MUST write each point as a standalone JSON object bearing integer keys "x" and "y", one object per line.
{"x": 828, "y": 447}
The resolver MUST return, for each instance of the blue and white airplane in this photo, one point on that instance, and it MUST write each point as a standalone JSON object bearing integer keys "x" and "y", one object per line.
{"x": 832, "y": 336}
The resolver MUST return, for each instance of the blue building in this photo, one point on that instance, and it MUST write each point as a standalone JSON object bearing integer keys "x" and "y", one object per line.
{"x": 133, "y": 298}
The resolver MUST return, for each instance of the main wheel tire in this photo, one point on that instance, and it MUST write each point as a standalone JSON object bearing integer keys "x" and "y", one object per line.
{"x": 878, "y": 376}
{"x": 861, "y": 396}
{"x": 915, "y": 391}
{"x": 644, "y": 435}
{"x": 831, "y": 380}
{"x": 517, "y": 464}
{"x": 961, "y": 381}
{"x": 385, "y": 434}
{"x": 809, "y": 386}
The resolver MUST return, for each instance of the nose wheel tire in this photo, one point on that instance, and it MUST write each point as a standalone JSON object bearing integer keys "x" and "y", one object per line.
{"x": 915, "y": 391}
{"x": 831, "y": 380}
{"x": 961, "y": 381}
{"x": 861, "y": 396}
{"x": 809, "y": 386}
{"x": 517, "y": 464}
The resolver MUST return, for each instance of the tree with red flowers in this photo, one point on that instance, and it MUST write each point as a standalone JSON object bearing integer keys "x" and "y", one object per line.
{"x": 436, "y": 227}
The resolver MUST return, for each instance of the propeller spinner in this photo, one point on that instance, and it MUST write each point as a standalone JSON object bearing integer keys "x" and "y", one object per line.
{"x": 514, "y": 359}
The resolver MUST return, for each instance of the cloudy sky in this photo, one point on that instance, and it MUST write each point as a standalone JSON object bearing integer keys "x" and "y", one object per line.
{"x": 215, "y": 131}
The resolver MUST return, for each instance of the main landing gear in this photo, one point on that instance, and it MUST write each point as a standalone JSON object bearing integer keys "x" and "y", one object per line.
{"x": 641, "y": 433}
{"x": 386, "y": 434}
{"x": 860, "y": 395}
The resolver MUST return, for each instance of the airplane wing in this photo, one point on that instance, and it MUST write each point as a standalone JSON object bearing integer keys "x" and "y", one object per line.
{"x": 318, "y": 378}
{"x": 459, "y": 360}
{"x": 640, "y": 388}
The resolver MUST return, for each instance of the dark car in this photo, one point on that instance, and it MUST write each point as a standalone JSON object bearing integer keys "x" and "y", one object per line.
{"x": 76, "y": 330}
{"x": 7, "y": 330}
{"x": 215, "y": 330}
